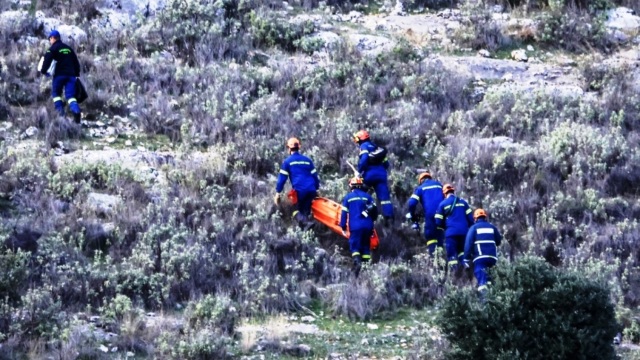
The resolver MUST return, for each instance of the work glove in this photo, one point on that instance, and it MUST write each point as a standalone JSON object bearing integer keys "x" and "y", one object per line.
{"x": 415, "y": 226}
{"x": 344, "y": 232}
{"x": 276, "y": 199}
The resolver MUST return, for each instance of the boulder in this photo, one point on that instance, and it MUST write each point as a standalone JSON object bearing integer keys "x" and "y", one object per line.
{"x": 519, "y": 55}
{"x": 111, "y": 21}
{"x": 70, "y": 34}
{"x": 370, "y": 44}
{"x": 622, "y": 24}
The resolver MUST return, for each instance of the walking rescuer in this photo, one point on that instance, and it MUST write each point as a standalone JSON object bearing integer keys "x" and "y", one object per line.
{"x": 304, "y": 180}
{"x": 481, "y": 246}
{"x": 65, "y": 74}
{"x": 360, "y": 210}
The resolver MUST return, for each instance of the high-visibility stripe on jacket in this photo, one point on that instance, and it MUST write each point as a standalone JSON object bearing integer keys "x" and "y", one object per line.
{"x": 66, "y": 60}
{"x": 301, "y": 171}
{"x": 352, "y": 207}
{"x": 454, "y": 216}
{"x": 482, "y": 241}
{"x": 363, "y": 162}
{"x": 429, "y": 194}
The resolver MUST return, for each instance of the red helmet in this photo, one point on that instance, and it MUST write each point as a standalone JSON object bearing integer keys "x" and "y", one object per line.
{"x": 361, "y": 135}
{"x": 447, "y": 188}
{"x": 293, "y": 144}
{"x": 479, "y": 213}
{"x": 424, "y": 175}
{"x": 356, "y": 182}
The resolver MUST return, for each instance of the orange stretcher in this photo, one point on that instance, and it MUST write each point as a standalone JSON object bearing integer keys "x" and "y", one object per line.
{"x": 328, "y": 212}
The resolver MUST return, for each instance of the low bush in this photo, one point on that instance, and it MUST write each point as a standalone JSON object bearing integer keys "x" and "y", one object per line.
{"x": 529, "y": 314}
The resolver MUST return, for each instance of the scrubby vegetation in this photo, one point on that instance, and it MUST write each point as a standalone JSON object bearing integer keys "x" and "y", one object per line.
{"x": 228, "y": 82}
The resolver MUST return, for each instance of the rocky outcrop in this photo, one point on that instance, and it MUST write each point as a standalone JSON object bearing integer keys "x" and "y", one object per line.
{"x": 70, "y": 34}
{"x": 622, "y": 24}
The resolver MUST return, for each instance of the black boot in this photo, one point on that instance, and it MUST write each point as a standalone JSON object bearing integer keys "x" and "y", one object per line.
{"x": 357, "y": 265}
{"x": 77, "y": 117}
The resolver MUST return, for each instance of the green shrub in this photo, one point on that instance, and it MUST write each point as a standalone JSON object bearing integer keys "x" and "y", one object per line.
{"x": 533, "y": 311}
{"x": 574, "y": 30}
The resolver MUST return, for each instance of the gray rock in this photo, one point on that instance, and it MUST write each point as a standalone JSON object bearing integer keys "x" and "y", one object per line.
{"x": 31, "y": 132}
{"x": 519, "y": 55}
{"x": 112, "y": 21}
{"x": 68, "y": 33}
{"x": 72, "y": 34}
{"x": 370, "y": 44}
{"x": 622, "y": 23}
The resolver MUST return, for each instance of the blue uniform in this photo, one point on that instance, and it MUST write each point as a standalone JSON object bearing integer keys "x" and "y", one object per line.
{"x": 454, "y": 216}
{"x": 375, "y": 176}
{"x": 429, "y": 194}
{"x": 304, "y": 180}
{"x": 481, "y": 245}
{"x": 360, "y": 226}
{"x": 66, "y": 71}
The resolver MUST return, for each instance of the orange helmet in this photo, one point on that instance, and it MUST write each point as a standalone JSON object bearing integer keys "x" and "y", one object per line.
{"x": 447, "y": 188}
{"x": 356, "y": 182}
{"x": 293, "y": 144}
{"x": 361, "y": 135}
{"x": 479, "y": 213}
{"x": 423, "y": 176}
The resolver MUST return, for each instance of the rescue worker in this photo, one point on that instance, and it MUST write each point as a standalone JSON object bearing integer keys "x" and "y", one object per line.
{"x": 66, "y": 72}
{"x": 374, "y": 172}
{"x": 481, "y": 246}
{"x": 360, "y": 210}
{"x": 304, "y": 180}
{"x": 429, "y": 194}
{"x": 455, "y": 217}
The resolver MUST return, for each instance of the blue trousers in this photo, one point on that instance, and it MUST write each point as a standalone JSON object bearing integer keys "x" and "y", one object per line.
{"x": 433, "y": 235}
{"x": 360, "y": 243}
{"x": 377, "y": 179}
{"x": 69, "y": 85}
{"x": 455, "y": 250}
{"x": 480, "y": 267}
{"x": 305, "y": 198}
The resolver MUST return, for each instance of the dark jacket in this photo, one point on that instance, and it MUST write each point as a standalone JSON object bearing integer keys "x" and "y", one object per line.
{"x": 301, "y": 171}
{"x": 454, "y": 216}
{"x": 363, "y": 162}
{"x": 429, "y": 194}
{"x": 67, "y": 63}
{"x": 352, "y": 206}
{"x": 482, "y": 241}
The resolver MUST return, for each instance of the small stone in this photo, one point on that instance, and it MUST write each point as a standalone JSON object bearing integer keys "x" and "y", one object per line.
{"x": 114, "y": 349}
{"x": 530, "y": 48}
{"x": 519, "y": 55}
{"x": 94, "y": 319}
{"x": 130, "y": 354}
{"x": 128, "y": 143}
{"x": 364, "y": 342}
{"x": 111, "y": 139}
{"x": 484, "y": 53}
{"x": 372, "y": 326}
{"x": 308, "y": 319}
{"x": 104, "y": 349}
{"x": 31, "y": 131}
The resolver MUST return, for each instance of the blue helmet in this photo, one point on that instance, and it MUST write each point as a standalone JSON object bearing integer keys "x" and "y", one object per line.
{"x": 55, "y": 34}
